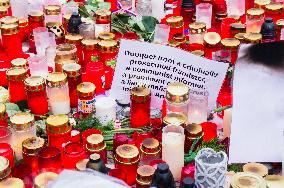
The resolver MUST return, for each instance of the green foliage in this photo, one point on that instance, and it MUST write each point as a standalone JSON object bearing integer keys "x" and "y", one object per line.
{"x": 235, "y": 168}
{"x": 213, "y": 144}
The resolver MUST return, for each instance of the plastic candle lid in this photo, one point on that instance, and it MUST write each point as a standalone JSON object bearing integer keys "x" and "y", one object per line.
{"x": 86, "y": 89}
{"x": 43, "y": 179}
{"x": 262, "y": 2}
{"x": 193, "y": 130}
{"x": 200, "y": 53}
{"x": 140, "y": 94}
{"x": 102, "y": 14}
{"x": 212, "y": 38}
{"x": 247, "y": 180}
{"x": 150, "y": 146}
{"x": 9, "y": 20}
{"x": 275, "y": 7}
{"x": 35, "y": 83}
{"x": 176, "y": 119}
{"x": 72, "y": 69}
{"x": 4, "y": 167}
{"x": 255, "y": 12}
{"x": 253, "y": 37}
{"x": 57, "y": 124}
{"x": 145, "y": 174}
{"x": 127, "y": 154}
{"x": 36, "y": 16}
{"x": 197, "y": 27}
{"x": 95, "y": 142}
{"x": 90, "y": 44}
{"x": 12, "y": 183}
{"x": 19, "y": 62}
{"x": 22, "y": 121}
{"x": 256, "y": 168}
{"x": 56, "y": 79}
{"x": 52, "y": 10}
{"x": 230, "y": 43}
{"x": 274, "y": 181}
{"x": 16, "y": 73}
{"x": 175, "y": 21}
{"x": 73, "y": 38}
{"x": 108, "y": 46}
{"x": 177, "y": 92}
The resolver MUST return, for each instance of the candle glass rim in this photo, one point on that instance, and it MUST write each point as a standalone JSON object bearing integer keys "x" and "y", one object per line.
{"x": 173, "y": 129}
{"x": 72, "y": 145}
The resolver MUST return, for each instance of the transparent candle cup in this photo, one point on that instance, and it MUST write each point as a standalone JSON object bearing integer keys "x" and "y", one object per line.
{"x": 49, "y": 160}
{"x": 38, "y": 66}
{"x": 204, "y": 13}
{"x": 161, "y": 34}
{"x": 73, "y": 152}
{"x": 87, "y": 30}
{"x": 5, "y": 135}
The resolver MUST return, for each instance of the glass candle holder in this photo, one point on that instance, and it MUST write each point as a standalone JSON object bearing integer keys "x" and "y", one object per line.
{"x": 204, "y": 13}
{"x": 196, "y": 32}
{"x": 36, "y": 19}
{"x": 87, "y": 133}
{"x": 161, "y": 35}
{"x": 76, "y": 39}
{"x": 23, "y": 29}
{"x": 144, "y": 176}
{"x": 252, "y": 38}
{"x": 11, "y": 40}
{"x": 87, "y": 30}
{"x": 58, "y": 130}
{"x": 65, "y": 53}
{"x": 231, "y": 47}
{"x": 144, "y": 7}
{"x": 38, "y": 66}
{"x": 177, "y": 119}
{"x": 23, "y": 128}
{"x": 73, "y": 152}
{"x": 274, "y": 11}
{"x": 95, "y": 73}
{"x": 177, "y": 98}
{"x": 86, "y": 98}
{"x": 106, "y": 109}
{"x": 19, "y": 63}
{"x": 43, "y": 179}
{"x": 150, "y": 151}
{"x": 192, "y": 132}
{"x": 140, "y": 99}
{"x": 211, "y": 44}
{"x": 58, "y": 93}
{"x": 7, "y": 151}
{"x": 96, "y": 144}
{"x": 3, "y": 117}
{"x": 74, "y": 76}
{"x": 90, "y": 51}
{"x": 52, "y": 13}
{"x": 49, "y": 160}
{"x": 118, "y": 140}
{"x": 12, "y": 182}
{"x": 279, "y": 27}
{"x": 126, "y": 159}
{"x": 255, "y": 18}
{"x": 30, "y": 148}
{"x": 16, "y": 77}
{"x": 36, "y": 94}
{"x": 176, "y": 25}
{"x": 226, "y": 26}
{"x": 5, "y": 169}
{"x": 24, "y": 172}
{"x": 198, "y": 107}
{"x": 236, "y": 7}
{"x": 103, "y": 21}
{"x": 173, "y": 142}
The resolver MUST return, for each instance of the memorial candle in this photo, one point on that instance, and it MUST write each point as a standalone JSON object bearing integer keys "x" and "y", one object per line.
{"x": 49, "y": 159}
{"x": 20, "y": 63}
{"x": 211, "y": 44}
{"x": 11, "y": 39}
{"x": 52, "y": 13}
{"x": 96, "y": 144}
{"x": 173, "y": 149}
{"x": 86, "y": 97}
{"x": 176, "y": 25}
{"x": 196, "y": 32}
{"x": 90, "y": 50}
{"x": 5, "y": 169}
{"x": 7, "y": 152}
{"x": 65, "y": 53}
{"x": 150, "y": 151}
{"x": 144, "y": 176}
{"x": 105, "y": 109}
{"x": 76, "y": 39}
{"x": 43, "y": 179}
{"x": 103, "y": 21}
{"x": 255, "y": 18}
{"x": 72, "y": 153}
{"x": 230, "y": 46}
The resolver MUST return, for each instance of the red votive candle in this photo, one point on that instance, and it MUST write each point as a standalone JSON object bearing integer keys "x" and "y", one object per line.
{"x": 11, "y": 39}
{"x": 225, "y": 27}
{"x": 16, "y": 77}
{"x": 36, "y": 19}
{"x": 176, "y": 25}
{"x": 140, "y": 100}
{"x": 188, "y": 171}
{"x": 118, "y": 140}
{"x": 36, "y": 94}
{"x": 119, "y": 174}
{"x": 113, "y": 4}
{"x": 130, "y": 36}
{"x": 72, "y": 153}
{"x": 274, "y": 11}
{"x": 95, "y": 73}
{"x": 3, "y": 116}
{"x": 210, "y": 131}
{"x": 7, "y": 152}
{"x": 211, "y": 44}
{"x": 144, "y": 176}
{"x": 24, "y": 172}
{"x": 58, "y": 130}
{"x": 87, "y": 133}
{"x": 90, "y": 50}
{"x": 126, "y": 158}
{"x": 31, "y": 146}
{"x": 5, "y": 169}
{"x": 76, "y": 40}
{"x": 192, "y": 132}
{"x": 49, "y": 160}
{"x": 150, "y": 151}
{"x": 74, "y": 76}
{"x": 24, "y": 28}
{"x": 231, "y": 46}
{"x": 219, "y": 17}
{"x": 86, "y": 98}
{"x": 3, "y": 11}
{"x": 96, "y": 144}
{"x": 103, "y": 19}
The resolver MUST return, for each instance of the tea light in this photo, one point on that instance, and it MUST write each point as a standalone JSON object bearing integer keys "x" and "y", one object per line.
{"x": 105, "y": 109}
{"x": 43, "y": 179}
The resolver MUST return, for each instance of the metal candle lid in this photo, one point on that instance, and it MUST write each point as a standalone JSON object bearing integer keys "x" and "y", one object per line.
{"x": 5, "y": 169}
{"x": 255, "y": 13}
{"x": 176, "y": 119}
{"x": 52, "y": 10}
{"x": 23, "y": 22}
{"x": 193, "y": 131}
{"x": 261, "y": 3}
{"x": 2, "y": 111}
{"x": 12, "y": 183}
{"x": 127, "y": 154}
{"x": 72, "y": 70}
{"x": 44, "y": 178}
{"x": 238, "y": 27}
{"x": 177, "y": 92}
{"x": 22, "y": 121}
{"x": 140, "y": 94}
{"x": 274, "y": 8}
{"x": 73, "y": 38}
{"x": 95, "y": 143}
{"x": 86, "y": 89}
{"x": 20, "y": 62}
{"x": 17, "y": 74}
{"x": 57, "y": 124}
{"x": 230, "y": 43}
{"x": 9, "y": 29}
{"x": 106, "y": 36}
{"x": 102, "y": 14}
{"x": 90, "y": 44}
{"x": 247, "y": 180}
{"x": 274, "y": 181}
{"x": 220, "y": 16}
{"x": 108, "y": 46}
{"x": 9, "y": 20}
{"x": 32, "y": 145}
{"x": 35, "y": 83}
{"x": 56, "y": 79}
{"x": 36, "y": 16}
{"x": 144, "y": 175}
{"x": 175, "y": 21}
{"x": 5, "y": 3}
{"x": 253, "y": 38}
{"x": 150, "y": 146}
{"x": 240, "y": 37}
{"x": 212, "y": 38}
{"x": 256, "y": 168}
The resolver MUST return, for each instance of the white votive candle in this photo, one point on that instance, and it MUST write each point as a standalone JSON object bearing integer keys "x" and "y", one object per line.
{"x": 173, "y": 149}
{"x": 105, "y": 109}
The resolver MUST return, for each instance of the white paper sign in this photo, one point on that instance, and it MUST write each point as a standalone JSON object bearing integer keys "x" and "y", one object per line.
{"x": 258, "y": 114}
{"x": 155, "y": 66}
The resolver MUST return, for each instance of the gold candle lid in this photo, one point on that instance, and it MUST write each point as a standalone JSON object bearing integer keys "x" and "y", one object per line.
{"x": 22, "y": 121}
{"x": 240, "y": 37}
{"x": 176, "y": 119}
{"x": 230, "y": 43}
{"x": 95, "y": 143}
{"x": 256, "y": 168}
{"x": 255, "y": 13}
{"x": 73, "y": 38}
{"x": 280, "y": 23}
{"x": 247, "y": 180}
{"x": 2, "y": 111}
{"x": 23, "y": 22}
{"x": 200, "y": 53}
{"x": 174, "y": 43}
{"x": 177, "y": 92}
{"x": 108, "y": 46}
{"x": 106, "y": 36}
{"x": 127, "y": 154}
{"x": 274, "y": 181}
{"x": 72, "y": 70}
{"x": 144, "y": 175}
{"x": 58, "y": 124}
{"x": 56, "y": 79}
{"x": 5, "y": 3}
{"x": 175, "y": 21}
{"x": 35, "y": 83}
{"x": 274, "y": 8}
{"x": 253, "y": 38}
{"x": 261, "y": 3}
{"x": 140, "y": 94}
{"x": 5, "y": 169}
{"x": 9, "y": 20}
{"x": 102, "y": 14}
{"x": 52, "y": 24}
{"x": 36, "y": 16}
{"x": 3, "y": 11}
{"x": 32, "y": 145}
{"x": 17, "y": 74}
{"x": 180, "y": 38}
{"x": 220, "y": 16}
{"x": 212, "y": 38}
{"x": 238, "y": 27}
{"x": 86, "y": 89}
{"x": 12, "y": 183}
{"x": 193, "y": 131}
{"x": 90, "y": 44}
{"x": 236, "y": 17}
{"x": 20, "y": 62}
{"x": 197, "y": 27}
{"x": 9, "y": 29}
{"x": 44, "y": 178}
{"x": 81, "y": 165}
{"x": 150, "y": 146}
{"x": 52, "y": 10}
